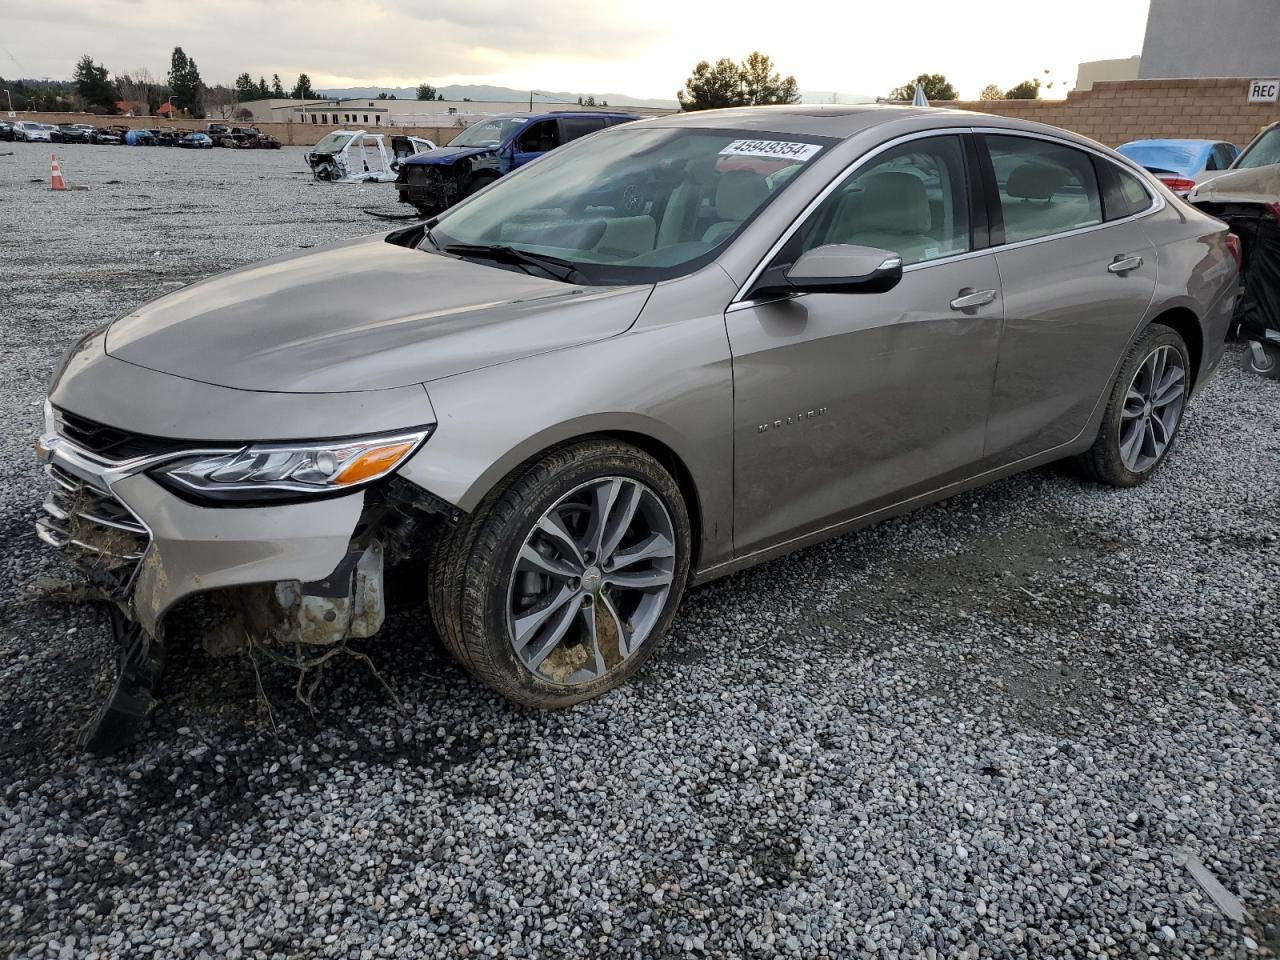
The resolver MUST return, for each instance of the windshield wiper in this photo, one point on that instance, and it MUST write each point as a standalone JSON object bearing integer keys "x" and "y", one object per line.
{"x": 554, "y": 267}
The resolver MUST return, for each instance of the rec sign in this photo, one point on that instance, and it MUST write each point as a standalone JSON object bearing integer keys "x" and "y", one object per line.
{"x": 1264, "y": 91}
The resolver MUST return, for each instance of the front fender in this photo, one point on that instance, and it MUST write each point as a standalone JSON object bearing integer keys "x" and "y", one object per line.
{"x": 670, "y": 381}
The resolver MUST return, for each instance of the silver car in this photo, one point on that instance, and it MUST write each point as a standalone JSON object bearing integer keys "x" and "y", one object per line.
{"x": 661, "y": 354}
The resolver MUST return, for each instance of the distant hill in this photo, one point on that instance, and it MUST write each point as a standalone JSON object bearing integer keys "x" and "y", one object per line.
{"x": 482, "y": 92}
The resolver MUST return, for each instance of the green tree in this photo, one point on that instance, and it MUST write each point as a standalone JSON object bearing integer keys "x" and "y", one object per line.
{"x": 94, "y": 87}
{"x": 263, "y": 91}
{"x": 1026, "y": 90}
{"x": 426, "y": 91}
{"x": 991, "y": 92}
{"x": 302, "y": 89}
{"x": 711, "y": 87}
{"x": 246, "y": 89}
{"x": 277, "y": 90}
{"x": 184, "y": 80}
{"x": 936, "y": 87}
{"x": 762, "y": 84}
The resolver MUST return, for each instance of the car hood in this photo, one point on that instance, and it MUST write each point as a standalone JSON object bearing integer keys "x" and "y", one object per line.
{"x": 443, "y": 156}
{"x": 1247, "y": 185}
{"x": 362, "y": 315}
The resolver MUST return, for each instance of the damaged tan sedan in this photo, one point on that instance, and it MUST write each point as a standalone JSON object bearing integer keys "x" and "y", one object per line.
{"x": 657, "y": 355}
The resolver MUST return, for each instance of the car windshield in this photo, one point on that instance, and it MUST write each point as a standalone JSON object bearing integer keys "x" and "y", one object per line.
{"x": 332, "y": 143}
{"x": 1174, "y": 158}
{"x": 633, "y": 205}
{"x": 1264, "y": 151}
{"x": 488, "y": 133}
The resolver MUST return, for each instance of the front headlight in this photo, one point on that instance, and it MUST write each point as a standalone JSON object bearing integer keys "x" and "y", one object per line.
{"x": 289, "y": 471}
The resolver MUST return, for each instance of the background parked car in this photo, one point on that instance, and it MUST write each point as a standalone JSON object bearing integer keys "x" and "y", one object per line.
{"x": 28, "y": 131}
{"x": 1247, "y": 197}
{"x": 437, "y": 179}
{"x": 167, "y": 136}
{"x": 6, "y": 130}
{"x": 105, "y": 135}
{"x": 71, "y": 133}
{"x": 197, "y": 140}
{"x": 1181, "y": 164}
{"x": 140, "y": 138}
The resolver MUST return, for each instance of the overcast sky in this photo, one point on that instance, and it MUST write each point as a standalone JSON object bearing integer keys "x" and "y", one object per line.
{"x": 644, "y": 48}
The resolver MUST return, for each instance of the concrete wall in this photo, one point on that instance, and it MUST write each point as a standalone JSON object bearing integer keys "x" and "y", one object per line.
{"x": 298, "y": 134}
{"x": 1116, "y": 112}
{"x": 1211, "y": 38}
{"x": 1096, "y": 71}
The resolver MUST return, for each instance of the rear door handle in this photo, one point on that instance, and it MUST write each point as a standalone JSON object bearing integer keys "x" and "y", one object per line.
{"x": 970, "y": 298}
{"x": 1124, "y": 264}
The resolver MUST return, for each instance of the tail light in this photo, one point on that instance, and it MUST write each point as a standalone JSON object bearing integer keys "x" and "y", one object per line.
{"x": 1233, "y": 247}
{"x": 1274, "y": 208}
{"x": 1178, "y": 185}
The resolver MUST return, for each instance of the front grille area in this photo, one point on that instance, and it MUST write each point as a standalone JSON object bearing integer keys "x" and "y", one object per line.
{"x": 106, "y": 535}
{"x": 111, "y": 442}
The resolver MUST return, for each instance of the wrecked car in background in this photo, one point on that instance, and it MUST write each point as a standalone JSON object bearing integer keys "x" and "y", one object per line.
{"x": 1247, "y": 198}
{"x": 487, "y": 150}
{"x": 357, "y": 156}
{"x": 567, "y": 410}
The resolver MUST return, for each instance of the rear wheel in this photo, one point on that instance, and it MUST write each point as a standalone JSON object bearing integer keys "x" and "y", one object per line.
{"x": 1144, "y": 411}
{"x": 563, "y": 582}
{"x": 1263, "y": 359}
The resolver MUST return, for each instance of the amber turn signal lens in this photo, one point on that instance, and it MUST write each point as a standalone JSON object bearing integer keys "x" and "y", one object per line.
{"x": 373, "y": 463}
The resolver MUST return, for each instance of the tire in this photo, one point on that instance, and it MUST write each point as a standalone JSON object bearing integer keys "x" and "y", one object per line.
{"x": 481, "y": 584}
{"x": 1269, "y": 367}
{"x": 1115, "y": 458}
{"x": 476, "y": 184}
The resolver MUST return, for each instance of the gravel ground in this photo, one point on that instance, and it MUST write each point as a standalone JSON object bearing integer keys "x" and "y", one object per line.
{"x": 995, "y": 728}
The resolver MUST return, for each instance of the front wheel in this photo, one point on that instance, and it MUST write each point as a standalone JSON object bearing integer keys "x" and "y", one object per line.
{"x": 564, "y": 581}
{"x": 1144, "y": 411}
{"x": 1263, "y": 359}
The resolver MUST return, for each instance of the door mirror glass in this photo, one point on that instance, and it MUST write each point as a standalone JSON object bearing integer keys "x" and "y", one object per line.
{"x": 834, "y": 268}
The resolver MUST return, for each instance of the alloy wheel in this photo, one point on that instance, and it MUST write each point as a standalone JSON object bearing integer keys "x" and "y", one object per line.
{"x": 591, "y": 580}
{"x": 1152, "y": 408}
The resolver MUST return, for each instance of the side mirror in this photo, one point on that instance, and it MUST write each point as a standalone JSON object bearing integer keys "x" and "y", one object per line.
{"x": 834, "y": 268}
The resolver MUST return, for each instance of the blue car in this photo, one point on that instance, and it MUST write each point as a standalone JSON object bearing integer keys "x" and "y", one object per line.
{"x": 1181, "y": 164}
{"x": 436, "y": 179}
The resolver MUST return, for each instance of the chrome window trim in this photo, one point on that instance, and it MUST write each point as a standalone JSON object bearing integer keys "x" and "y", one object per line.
{"x": 740, "y": 300}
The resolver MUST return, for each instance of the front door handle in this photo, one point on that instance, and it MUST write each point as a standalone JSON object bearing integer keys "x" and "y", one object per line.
{"x": 970, "y": 298}
{"x": 1124, "y": 264}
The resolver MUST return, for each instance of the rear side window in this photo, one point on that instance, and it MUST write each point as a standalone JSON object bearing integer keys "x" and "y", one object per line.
{"x": 1044, "y": 187}
{"x": 574, "y": 127}
{"x": 1133, "y": 193}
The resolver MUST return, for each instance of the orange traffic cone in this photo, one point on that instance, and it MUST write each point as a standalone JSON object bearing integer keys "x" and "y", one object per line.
{"x": 57, "y": 183}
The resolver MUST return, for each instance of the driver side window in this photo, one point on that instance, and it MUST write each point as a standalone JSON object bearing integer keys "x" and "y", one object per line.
{"x": 912, "y": 199}
{"x": 539, "y": 138}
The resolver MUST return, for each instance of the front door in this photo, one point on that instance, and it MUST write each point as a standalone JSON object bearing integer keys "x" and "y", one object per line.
{"x": 534, "y": 141}
{"x": 1075, "y": 290}
{"x": 846, "y": 403}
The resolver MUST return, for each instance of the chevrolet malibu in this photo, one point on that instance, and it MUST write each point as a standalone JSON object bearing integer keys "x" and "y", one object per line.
{"x": 659, "y": 355}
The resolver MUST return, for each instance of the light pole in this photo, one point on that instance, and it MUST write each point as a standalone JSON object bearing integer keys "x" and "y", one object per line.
{"x": 10, "y": 96}
{"x": 171, "y": 99}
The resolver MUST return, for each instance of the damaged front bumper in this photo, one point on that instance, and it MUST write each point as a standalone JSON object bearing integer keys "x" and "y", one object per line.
{"x": 311, "y": 572}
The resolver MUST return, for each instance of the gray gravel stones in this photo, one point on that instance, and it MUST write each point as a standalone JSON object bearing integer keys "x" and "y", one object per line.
{"x": 988, "y": 729}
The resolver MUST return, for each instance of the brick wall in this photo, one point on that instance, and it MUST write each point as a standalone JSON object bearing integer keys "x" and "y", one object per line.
{"x": 1114, "y": 112}
{"x": 300, "y": 134}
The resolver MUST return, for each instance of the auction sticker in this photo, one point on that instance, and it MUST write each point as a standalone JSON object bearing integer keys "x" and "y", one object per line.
{"x": 778, "y": 149}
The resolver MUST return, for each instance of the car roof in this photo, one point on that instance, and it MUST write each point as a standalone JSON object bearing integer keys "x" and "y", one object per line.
{"x": 1162, "y": 142}
{"x": 835, "y": 120}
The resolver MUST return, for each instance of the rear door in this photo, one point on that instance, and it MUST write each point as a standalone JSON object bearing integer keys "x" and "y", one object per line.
{"x": 1076, "y": 284}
